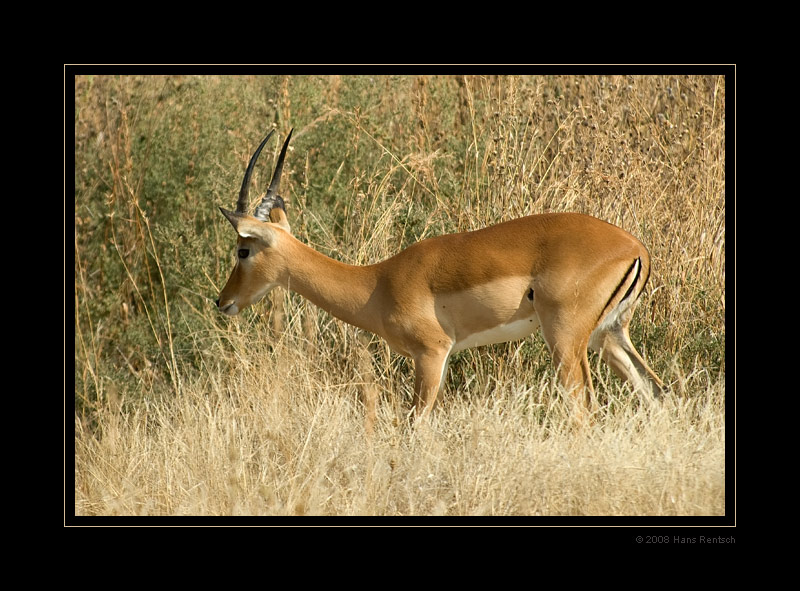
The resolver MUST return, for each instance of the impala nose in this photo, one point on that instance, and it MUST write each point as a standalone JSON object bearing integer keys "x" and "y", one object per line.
{"x": 228, "y": 307}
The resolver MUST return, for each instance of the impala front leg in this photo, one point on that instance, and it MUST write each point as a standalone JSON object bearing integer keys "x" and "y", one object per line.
{"x": 430, "y": 368}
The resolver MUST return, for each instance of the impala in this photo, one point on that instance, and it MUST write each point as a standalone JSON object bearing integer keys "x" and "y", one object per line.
{"x": 574, "y": 276}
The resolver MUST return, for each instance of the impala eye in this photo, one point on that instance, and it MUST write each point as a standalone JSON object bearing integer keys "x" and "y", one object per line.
{"x": 243, "y": 252}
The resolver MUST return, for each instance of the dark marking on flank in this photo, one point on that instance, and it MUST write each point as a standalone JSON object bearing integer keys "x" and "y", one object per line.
{"x": 530, "y": 294}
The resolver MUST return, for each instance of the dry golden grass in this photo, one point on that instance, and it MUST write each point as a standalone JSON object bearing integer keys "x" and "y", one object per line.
{"x": 288, "y": 438}
{"x": 179, "y": 411}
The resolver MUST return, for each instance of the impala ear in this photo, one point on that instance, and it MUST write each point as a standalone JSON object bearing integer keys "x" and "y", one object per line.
{"x": 233, "y": 217}
{"x": 248, "y": 227}
{"x": 277, "y": 215}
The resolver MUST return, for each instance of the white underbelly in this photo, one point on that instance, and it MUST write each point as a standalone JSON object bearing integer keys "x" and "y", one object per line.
{"x": 513, "y": 331}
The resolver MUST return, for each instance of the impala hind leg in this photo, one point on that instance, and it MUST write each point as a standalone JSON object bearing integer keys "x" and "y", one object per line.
{"x": 575, "y": 377}
{"x": 616, "y": 349}
{"x": 613, "y": 342}
{"x": 570, "y": 357}
{"x": 430, "y": 368}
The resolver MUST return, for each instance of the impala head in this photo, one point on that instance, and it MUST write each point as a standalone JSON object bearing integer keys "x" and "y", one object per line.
{"x": 260, "y": 266}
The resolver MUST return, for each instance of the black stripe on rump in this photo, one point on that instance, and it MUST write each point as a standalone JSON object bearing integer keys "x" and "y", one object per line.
{"x": 635, "y": 279}
{"x": 630, "y": 289}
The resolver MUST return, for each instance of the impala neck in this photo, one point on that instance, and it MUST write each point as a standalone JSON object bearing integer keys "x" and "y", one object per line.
{"x": 342, "y": 290}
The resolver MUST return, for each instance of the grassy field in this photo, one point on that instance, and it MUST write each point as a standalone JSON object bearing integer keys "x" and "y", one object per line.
{"x": 179, "y": 410}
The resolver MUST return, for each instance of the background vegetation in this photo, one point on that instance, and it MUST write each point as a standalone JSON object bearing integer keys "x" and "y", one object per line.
{"x": 179, "y": 410}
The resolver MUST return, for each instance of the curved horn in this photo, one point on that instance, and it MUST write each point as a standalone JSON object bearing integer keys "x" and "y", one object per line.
{"x": 241, "y": 204}
{"x": 271, "y": 197}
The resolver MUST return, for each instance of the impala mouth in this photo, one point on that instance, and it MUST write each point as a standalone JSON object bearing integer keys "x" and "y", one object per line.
{"x": 229, "y": 308}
